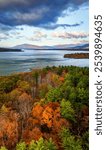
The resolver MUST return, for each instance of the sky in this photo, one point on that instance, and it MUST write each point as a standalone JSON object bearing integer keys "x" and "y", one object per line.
{"x": 43, "y": 22}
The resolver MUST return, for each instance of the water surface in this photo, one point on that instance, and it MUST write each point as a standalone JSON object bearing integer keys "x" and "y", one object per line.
{"x": 12, "y": 62}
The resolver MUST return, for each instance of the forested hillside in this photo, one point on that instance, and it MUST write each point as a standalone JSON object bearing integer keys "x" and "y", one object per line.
{"x": 46, "y": 109}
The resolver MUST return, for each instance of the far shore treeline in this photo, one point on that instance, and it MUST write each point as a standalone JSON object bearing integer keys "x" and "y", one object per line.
{"x": 22, "y": 49}
{"x": 9, "y": 50}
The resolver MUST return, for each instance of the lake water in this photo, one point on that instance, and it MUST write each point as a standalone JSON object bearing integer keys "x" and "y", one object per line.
{"x": 11, "y": 62}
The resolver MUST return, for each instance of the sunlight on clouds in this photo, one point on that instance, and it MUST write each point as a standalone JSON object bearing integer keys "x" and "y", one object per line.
{"x": 39, "y": 23}
{"x": 70, "y": 35}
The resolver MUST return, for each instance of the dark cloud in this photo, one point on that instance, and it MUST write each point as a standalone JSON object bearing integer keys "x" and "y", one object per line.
{"x": 55, "y": 26}
{"x": 35, "y": 12}
{"x": 7, "y": 28}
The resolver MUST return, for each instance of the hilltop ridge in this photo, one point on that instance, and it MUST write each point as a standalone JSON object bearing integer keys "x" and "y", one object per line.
{"x": 64, "y": 46}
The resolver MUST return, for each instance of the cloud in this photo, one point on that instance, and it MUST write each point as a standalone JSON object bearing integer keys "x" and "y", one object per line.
{"x": 70, "y": 35}
{"x": 19, "y": 37}
{"x": 34, "y": 12}
{"x": 4, "y": 28}
{"x": 4, "y": 36}
{"x": 7, "y": 28}
{"x": 38, "y": 35}
{"x": 55, "y": 26}
{"x": 7, "y": 32}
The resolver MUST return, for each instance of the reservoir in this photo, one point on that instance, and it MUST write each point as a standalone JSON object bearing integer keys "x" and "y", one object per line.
{"x": 12, "y": 62}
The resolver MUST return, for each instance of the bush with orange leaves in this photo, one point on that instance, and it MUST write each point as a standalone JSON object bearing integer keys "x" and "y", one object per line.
{"x": 9, "y": 129}
{"x": 45, "y": 121}
{"x": 34, "y": 134}
{"x": 49, "y": 114}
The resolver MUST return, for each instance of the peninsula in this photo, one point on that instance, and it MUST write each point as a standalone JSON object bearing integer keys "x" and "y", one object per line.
{"x": 77, "y": 56}
{"x": 10, "y": 50}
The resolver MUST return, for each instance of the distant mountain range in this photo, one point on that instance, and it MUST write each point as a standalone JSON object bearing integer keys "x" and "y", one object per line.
{"x": 84, "y": 46}
{"x": 65, "y": 46}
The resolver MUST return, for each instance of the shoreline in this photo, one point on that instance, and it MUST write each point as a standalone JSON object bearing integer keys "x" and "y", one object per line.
{"x": 36, "y": 69}
{"x": 57, "y": 49}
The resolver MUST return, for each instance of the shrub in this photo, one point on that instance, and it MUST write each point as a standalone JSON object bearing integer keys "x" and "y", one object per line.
{"x": 69, "y": 142}
{"x": 14, "y": 94}
{"x": 73, "y": 79}
{"x": 3, "y": 148}
{"x": 32, "y": 145}
{"x": 42, "y": 144}
{"x": 54, "y": 95}
{"x": 50, "y": 145}
{"x": 66, "y": 110}
{"x": 85, "y": 140}
{"x": 4, "y": 97}
{"x": 83, "y": 96}
{"x": 84, "y": 82}
{"x": 24, "y": 85}
{"x": 43, "y": 89}
{"x": 21, "y": 146}
{"x": 6, "y": 85}
{"x": 4, "y": 109}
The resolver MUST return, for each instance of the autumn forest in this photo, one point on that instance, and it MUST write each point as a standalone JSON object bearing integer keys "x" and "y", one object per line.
{"x": 45, "y": 109}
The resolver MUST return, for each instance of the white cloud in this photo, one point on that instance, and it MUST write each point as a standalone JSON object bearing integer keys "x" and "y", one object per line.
{"x": 38, "y": 35}
{"x": 70, "y": 35}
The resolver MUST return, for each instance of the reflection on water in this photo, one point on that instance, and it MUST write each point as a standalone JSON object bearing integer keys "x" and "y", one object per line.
{"x": 11, "y": 62}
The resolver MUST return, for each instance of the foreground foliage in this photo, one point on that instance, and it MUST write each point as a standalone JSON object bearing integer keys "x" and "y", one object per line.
{"x": 45, "y": 109}
{"x": 68, "y": 141}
